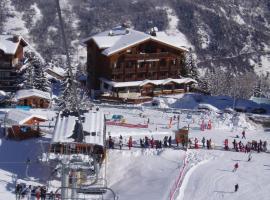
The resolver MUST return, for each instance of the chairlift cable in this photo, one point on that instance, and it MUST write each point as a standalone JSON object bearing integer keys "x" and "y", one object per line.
{"x": 73, "y": 87}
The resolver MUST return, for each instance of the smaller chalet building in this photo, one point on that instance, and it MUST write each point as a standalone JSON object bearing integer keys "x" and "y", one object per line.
{"x": 22, "y": 124}
{"x": 33, "y": 98}
{"x": 129, "y": 64}
{"x": 70, "y": 138}
{"x": 11, "y": 60}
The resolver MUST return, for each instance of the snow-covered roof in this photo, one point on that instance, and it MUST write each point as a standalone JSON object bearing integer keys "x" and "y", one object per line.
{"x": 120, "y": 38}
{"x": 93, "y": 128}
{"x": 10, "y": 45}
{"x": 144, "y": 82}
{"x": 22, "y": 94}
{"x": 57, "y": 70}
{"x": 19, "y": 117}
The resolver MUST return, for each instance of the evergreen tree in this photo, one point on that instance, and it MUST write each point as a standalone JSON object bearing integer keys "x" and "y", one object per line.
{"x": 191, "y": 67}
{"x": 257, "y": 91}
{"x": 67, "y": 99}
{"x": 34, "y": 76}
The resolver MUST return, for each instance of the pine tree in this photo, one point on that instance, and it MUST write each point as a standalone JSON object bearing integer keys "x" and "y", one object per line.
{"x": 34, "y": 76}
{"x": 257, "y": 91}
{"x": 67, "y": 99}
{"x": 191, "y": 67}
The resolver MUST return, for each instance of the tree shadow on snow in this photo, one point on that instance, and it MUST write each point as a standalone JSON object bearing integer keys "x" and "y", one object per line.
{"x": 223, "y": 192}
{"x": 14, "y": 156}
{"x": 237, "y": 160}
{"x": 225, "y": 170}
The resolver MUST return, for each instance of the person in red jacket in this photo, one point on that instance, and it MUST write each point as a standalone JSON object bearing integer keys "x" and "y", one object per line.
{"x": 38, "y": 193}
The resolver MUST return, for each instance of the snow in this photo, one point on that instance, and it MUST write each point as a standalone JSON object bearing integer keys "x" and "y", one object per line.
{"x": 19, "y": 117}
{"x": 143, "y": 174}
{"x": 93, "y": 127}
{"x": 141, "y": 83}
{"x": 14, "y": 23}
{"x": 114, "y": 42}
{"x": 57, "y": 70}
{"x": 38, "y": 14}
{"x": 150, "y": 173}
{"x": 215, "y": 180}
{"x": 264, "y": 68}
{"x": 173, "y": 31}
{"x": 22, "y": 94}
{"x": 204, "y": 37}
{"x": 8, "y": 45}
{"x": 238, "y": 19}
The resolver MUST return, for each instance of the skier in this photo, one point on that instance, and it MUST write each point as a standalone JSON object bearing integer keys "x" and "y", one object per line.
{"x": 226, "y": 144}
{"x": 234, "y": 144}
{"x": 203, "y": 142}
{"x": 236, "y": 187}
{"x": 196, "y": 143}
{"x": 249, "y": 157}
{"x": 120, "y": 142}
{"x": 111, "y": 142}
{"x": 51, "y": 195}
{"x": 152, "y": 142}
{"x": 243, "y": 134}
{"x": 170, "y": 141}
{"x": 235, "y": 167}
{"x": 38, "y": 193}
{"x": 18, "y": 191}
{"x": 129, "y": 142}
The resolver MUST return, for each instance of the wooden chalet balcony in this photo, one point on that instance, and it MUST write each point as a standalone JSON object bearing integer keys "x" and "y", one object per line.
{"x": 163, "y": 68}
{"x": 5, "y": 65}
{"x": 117, "y": 71}
{"x": 130, "y": 78}
{"x": 10, "y": 78}
{"x": 130, "y": 70}
{"x": 142, "y": 69}
{"x": 148, "y": 56}
{"x": 152, "y": 69}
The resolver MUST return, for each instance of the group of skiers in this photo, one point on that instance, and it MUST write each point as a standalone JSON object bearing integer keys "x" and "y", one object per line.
{"x": 145, "y": 142}
{"x": 158, "y": 144}
{"x": 254, "y": 145}
{"x": 205, "y": 143}
{"x": 39, "y": 192}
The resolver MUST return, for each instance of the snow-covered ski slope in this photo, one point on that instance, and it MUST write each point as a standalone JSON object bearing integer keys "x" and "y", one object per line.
{"x": 213, "y": 179}
{"x": 150, "y": 173}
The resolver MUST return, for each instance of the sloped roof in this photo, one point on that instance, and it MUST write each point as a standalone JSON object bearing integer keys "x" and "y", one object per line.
{"x": 93, "y": 127}
{"x": 144, "y": 82}
{"x": 8, "y": 45}
{"x": 19, "y": 117}
{"x": 22, "y": 94}
{"x": 114, "y": 40}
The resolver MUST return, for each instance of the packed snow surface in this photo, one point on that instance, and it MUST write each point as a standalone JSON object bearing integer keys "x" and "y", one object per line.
{"x": 152, "y": 173}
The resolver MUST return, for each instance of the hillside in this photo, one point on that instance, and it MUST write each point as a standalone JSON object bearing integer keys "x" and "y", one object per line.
{"x": 232, "y": 34}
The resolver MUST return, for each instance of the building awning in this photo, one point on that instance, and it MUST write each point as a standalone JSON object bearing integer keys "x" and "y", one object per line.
{"x": 145, "y": 82}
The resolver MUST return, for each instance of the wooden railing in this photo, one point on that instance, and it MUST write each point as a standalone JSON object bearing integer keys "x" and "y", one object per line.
{"x": 117, "y": 71}
{"x": 146, "y": 56}
{"x": 163, "y": 68}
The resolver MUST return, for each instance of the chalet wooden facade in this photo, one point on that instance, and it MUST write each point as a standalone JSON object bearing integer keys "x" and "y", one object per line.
{"x": 11, "y": 57}
{"x": 33, "y": 98}
{"x": 22, "y": 125}
{"x": 124, "y": 56}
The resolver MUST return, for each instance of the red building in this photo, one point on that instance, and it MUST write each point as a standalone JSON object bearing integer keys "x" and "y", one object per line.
{"x": 11, "y": 56}
{"x": 128, "y": 64}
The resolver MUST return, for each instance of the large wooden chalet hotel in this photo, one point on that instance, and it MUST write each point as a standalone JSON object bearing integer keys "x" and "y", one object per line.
{"x": 125, "y": 64}
{"x": 11, "y": 56}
